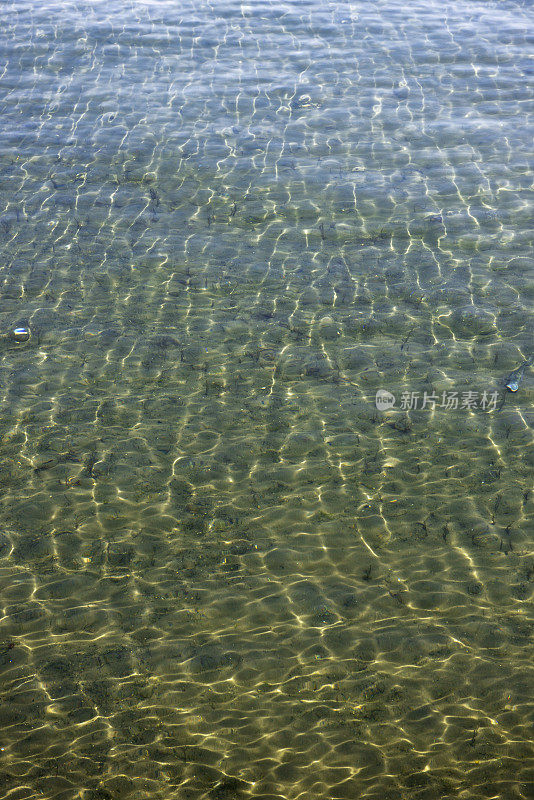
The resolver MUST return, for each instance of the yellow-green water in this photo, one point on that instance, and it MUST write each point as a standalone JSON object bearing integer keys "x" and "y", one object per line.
{"x": 224, "y": 573}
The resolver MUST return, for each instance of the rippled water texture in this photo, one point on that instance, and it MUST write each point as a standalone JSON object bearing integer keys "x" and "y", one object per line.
{"x": 224, "y": 572}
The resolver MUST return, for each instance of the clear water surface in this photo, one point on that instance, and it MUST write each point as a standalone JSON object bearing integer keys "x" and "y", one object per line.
{"x": 224, "y": 572}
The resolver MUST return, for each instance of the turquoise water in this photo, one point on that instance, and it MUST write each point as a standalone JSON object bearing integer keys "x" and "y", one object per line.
{"x": 224, "y": 571}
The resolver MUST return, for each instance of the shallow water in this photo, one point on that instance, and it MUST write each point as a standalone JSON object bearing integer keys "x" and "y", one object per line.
{"x": 224, "y": 572}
